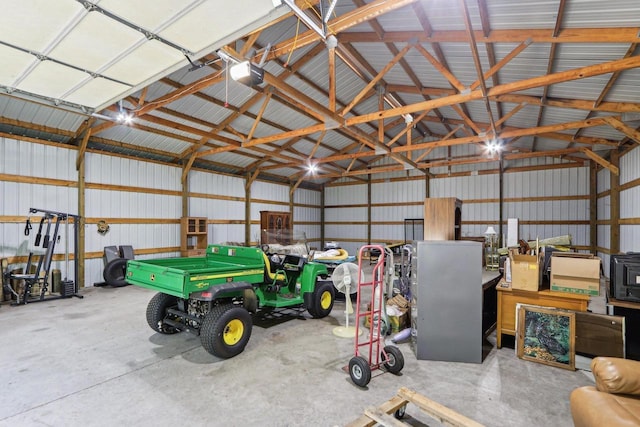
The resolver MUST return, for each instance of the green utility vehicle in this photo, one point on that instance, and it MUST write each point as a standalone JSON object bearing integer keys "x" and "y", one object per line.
{"x": 213, "y": 296}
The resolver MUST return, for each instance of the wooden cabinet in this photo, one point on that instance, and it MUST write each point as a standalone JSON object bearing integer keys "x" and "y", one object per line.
{"x": 275, "y": 227}
{"x": 193, "y": 236}
{"x": 508, "y": 299}
{"x": 442, "y": 219}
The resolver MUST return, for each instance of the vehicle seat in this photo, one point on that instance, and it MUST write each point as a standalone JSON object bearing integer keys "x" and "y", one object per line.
{"x": 269, "y": 274}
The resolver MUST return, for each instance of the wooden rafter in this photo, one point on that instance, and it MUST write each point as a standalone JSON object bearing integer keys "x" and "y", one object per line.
{"x": 621, "y": 126}
{"x": 476, "y": 60}
{"x": 602, "y": 162}
{"x": 339, "y": 24}
{"x": 573, "y": 35}
{"x": 441, "y": 68}
{"x": 259, "y": 117}
{"x": 375, "y": 79}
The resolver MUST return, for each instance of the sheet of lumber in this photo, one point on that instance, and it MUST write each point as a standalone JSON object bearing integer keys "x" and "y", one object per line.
{"x": 390, "y": 406}
{"x": 436, "y": 410}
{"x": 383, "y": 418}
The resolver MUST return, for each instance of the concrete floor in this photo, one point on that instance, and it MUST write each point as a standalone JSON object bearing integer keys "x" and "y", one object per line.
{"x": 96, "y": 362}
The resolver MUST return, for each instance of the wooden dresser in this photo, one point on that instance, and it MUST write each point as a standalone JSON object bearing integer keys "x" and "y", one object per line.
{"x": 508, "y": 299}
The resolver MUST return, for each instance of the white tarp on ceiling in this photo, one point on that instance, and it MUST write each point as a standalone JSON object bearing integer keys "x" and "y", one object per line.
{"x": 85, "y": 54}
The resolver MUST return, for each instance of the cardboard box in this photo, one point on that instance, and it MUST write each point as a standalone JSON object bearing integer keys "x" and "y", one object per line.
{"x": 575, "y": 273}
{"x": 525, "y": 272}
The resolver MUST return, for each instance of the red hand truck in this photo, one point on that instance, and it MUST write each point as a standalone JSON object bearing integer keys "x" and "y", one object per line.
{"x": 370, "y": 353}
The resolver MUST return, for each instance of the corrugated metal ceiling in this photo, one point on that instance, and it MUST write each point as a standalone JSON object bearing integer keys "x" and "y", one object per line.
{"x": 525, "y": 39}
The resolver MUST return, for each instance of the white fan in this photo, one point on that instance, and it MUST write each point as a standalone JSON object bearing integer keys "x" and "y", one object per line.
{"x": 345, "y": 280}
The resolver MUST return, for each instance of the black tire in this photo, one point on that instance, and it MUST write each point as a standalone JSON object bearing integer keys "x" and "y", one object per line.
{"x": 115, "y": 272}
{"x": 359, "y": 371}
{"x": 395, "y": 359}
{"x": 324, "y": 296}
{"x": 157, "y": 312}
{"x": 225, "y": 330}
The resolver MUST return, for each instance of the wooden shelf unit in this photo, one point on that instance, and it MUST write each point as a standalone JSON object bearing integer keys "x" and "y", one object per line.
{"x": 193, "y": 236}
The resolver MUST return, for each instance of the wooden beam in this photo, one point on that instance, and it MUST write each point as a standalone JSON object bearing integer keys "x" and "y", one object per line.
{"x": 602, "y": 162}
{"x": 620, "y": 126}
{"x": 593, "y": 206}
{"x": 578, "y": 104}
{"x": 441, "y": 68}
{"x": 508, "y": 133}
{"x": 614, "y": 212}
{"x": 510, "y": 114}
{"x": 190, "y": 129}
{"x": 83, "y": 148}
{"x": 375, "y": 80}
{"x": 202, "y": 83}
{"x": 559, "y": 77}
{"x": 332, "y": 79}
{"x": 543, "y": 35}
{"x": 504, "y": 61}
{"x": 340, "y": 24}
{"x": 259, "y": 117}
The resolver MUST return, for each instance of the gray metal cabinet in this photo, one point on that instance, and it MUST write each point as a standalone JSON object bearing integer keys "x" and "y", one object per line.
{"x": 446, "y": 294}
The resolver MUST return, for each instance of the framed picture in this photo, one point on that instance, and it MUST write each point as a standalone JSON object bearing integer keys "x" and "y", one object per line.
{"x": 546, "y": 335}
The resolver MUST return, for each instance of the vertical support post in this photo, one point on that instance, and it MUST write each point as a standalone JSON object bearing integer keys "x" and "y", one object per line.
{"x": 615, "y": 205}
{"x": 332, "y": 79}
{"x": 292, "y": 190}
{"x": 322, "y": 203}
{"x": 427, "y": 184}
{"x": 380, "y": 89}
{"x": 369, "y": 209}
{"x": 593, "y": 207}
{"x": 185, "y": 196}
{"x": 247, "y": 211}
{"x": 79, "y": 225}
{"x": 501, "y": 202}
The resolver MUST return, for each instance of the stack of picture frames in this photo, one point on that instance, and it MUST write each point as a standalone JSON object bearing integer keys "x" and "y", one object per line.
{"x": 553, "y": 336}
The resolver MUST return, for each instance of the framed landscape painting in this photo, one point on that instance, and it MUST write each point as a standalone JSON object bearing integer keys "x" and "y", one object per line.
{"x": 546, "y": 335}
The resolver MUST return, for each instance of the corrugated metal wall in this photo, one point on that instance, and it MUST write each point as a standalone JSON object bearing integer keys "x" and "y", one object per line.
{"x": 392, "y": 203}
{"x": 138, "y": 199}
{"x": 220, "y": 198}
{"x": 630, "y": 202}
{"x": 141, "y": 201}
{"x": 307, "y": 215}
{"x": 24, "y": 160}
{"x": 479, "y": 195}
{"x": 345, "y": 216}
{"x": 548, "y": 203}
{"x": 266, "y": 196}
{"x": 544, "y": 204}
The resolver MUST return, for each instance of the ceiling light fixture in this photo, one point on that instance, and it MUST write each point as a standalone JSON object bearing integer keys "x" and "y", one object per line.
{"x": 124, "y": 116}
{"x": 312, "y": 167}
{"x": 494, "y": 146}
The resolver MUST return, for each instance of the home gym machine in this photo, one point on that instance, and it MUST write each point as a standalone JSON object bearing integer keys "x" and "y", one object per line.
{"x": 40, "y": 275}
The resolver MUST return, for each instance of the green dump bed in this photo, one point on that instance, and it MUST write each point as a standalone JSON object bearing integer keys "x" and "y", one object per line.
{"x": 182, "y": 276}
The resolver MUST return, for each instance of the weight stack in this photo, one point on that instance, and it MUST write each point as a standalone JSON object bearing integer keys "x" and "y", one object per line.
{"x": 67, "y": 288}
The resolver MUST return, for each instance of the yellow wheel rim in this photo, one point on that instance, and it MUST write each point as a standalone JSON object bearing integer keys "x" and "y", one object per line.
{"x": 233, "y": 332}
{"x": 325, "y": 300}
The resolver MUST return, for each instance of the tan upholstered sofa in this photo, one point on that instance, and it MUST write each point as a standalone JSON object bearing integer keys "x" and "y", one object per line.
{"x": 614, "y": 401}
